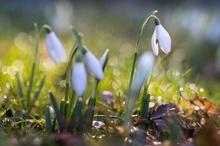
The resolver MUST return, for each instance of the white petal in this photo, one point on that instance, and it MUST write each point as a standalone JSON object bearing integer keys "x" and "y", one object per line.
{"x": 104, "y": 58}
{"x": 79, "y": 78}
{"x": 55, "y": 48}
{"x": 144, "y": 68}
{"x": 94, "y": 65}
{"x": 163, "y": 38}
{"x": 154, "y": 44}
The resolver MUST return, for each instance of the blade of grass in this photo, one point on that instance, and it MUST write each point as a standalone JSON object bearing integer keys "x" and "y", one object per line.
{"x": 39, "y": 90}
{"x": 120, "y": 104}
{"x": 33, "y": 65}
{"x": 104, "y": 105}
{"x": 20, "y": 91}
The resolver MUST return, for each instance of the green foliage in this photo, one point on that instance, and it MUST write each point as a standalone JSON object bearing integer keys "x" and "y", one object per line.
{"x": 24, "y": 91}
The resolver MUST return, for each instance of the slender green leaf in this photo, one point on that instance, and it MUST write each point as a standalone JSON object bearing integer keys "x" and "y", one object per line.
{"x": 66, "y": 108}
{"x": 62, "y": 106}
{"x": 33, "y": 65}
{"x": 39, "y": 90}
{"x": 90, "y": 111}
{"x": 20, "y": 90}
{"x": 71, "y": 104}
{"x": 54, "y": 125}
{"x": 48, "y": 120}
{"x": 77, "y": 112}
{"x": 186, "y": 73}
{"x": 145, "y": 105}
{"x": 56, "y": 109}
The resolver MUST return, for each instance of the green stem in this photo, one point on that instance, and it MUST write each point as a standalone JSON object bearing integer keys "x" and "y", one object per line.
{"x": 149, "y": 16}
{"x": 92, "y": 103}
{"x": 33, "y": 65}
{"x": 145, "y": 104}
{"x": 77, "y": 114}
{"x": 45, "y": 27}
{"x": 129, "y": 107}
{"x": 38, "y": 34}
{"x": 72, "y": 54}
{"x": 20, "y": 90}
{"x": 77, "y": 45}
{"x": 78, "y": 38}
{"x": 95, "y": 89}
{"x": 149, "y": 79}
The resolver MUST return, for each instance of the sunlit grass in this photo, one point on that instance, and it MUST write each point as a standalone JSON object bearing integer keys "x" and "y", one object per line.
{"x": 173, "y": 80}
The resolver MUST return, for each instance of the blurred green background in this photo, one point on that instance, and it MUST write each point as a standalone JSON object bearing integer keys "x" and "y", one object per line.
{"x": 193, "y": 27}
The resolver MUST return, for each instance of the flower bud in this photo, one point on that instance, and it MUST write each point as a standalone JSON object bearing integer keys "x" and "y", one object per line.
{"x": 79, "y": 78}
{"x": 160, "y": 37}
{"x": 93, "y": 65}
{"x": 104, "y": 59}
{"x": 55, "y": 48}
{"x": 144, "y": 69}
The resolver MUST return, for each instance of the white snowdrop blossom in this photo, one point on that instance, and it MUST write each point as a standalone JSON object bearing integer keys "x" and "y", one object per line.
{"x": 103, "y": 60}
{"x": 55, "y": 48}
{"x": 160, "y": 37}
{"x": 94, "y": 65}
{"x": 79, "y": 78}
{"x": 144, "y": 68}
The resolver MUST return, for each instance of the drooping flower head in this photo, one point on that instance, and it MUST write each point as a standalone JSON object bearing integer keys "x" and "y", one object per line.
{"x": 104, "y": 59}
{"x": 93, "y": 64}
{"x": 144, "y": 69}
{"x": 55, "y": 48}
{"x": 160, "y": 38}
{"x": 79, "y": 76}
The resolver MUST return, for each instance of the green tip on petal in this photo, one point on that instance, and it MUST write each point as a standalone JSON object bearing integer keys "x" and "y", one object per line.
{"x": 47, "y": 28}
{"x": 55, "y": 48}
{"x": 79, "y": 57}
{"x": 157, "y": 21}
{"x": 84, "y": 50}
{"x": 104, "y": 59}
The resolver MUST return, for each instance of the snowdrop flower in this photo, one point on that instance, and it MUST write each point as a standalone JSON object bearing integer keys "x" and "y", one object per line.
{"x": 144, "y": 69}
{"x": 104, "y": 59}
{"x": 79, "y": 77}
{"x": 55, "y": 48}
{"x": 160, "y": 37}
{"x": 93, "y": 65}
